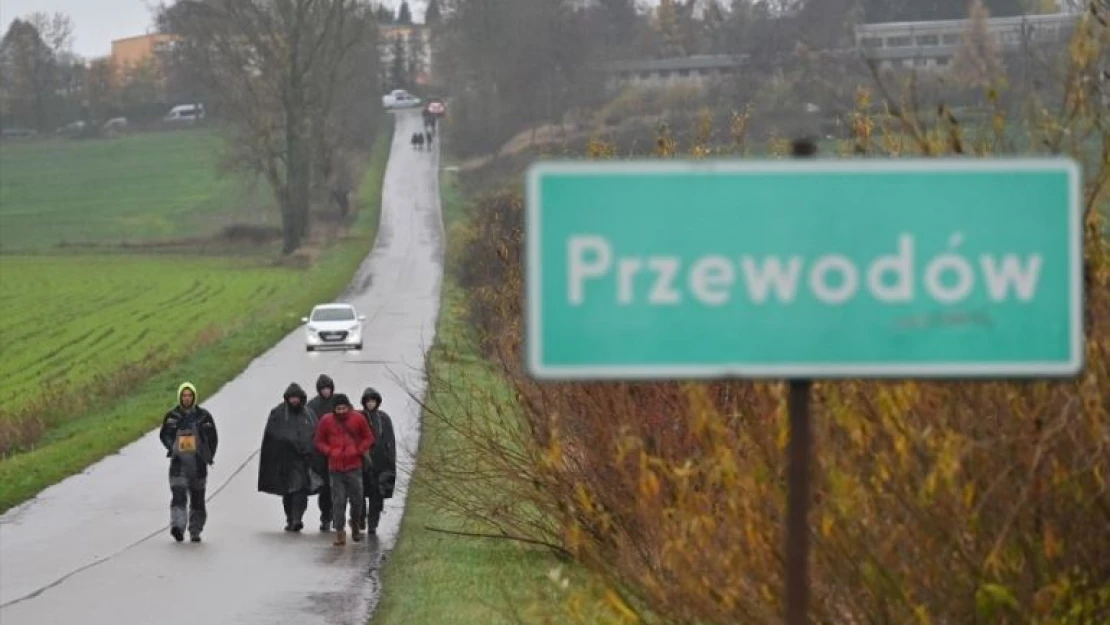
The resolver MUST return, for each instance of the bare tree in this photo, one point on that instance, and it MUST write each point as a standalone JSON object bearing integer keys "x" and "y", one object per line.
{"x": 978, "y": 61}
{"x": 274, "y": 67}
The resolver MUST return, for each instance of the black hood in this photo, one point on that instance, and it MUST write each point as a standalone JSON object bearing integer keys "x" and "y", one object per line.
{"x": 323, "y": 382}
{"x": 371, "y": 393}
{"x": 295, "y": 390}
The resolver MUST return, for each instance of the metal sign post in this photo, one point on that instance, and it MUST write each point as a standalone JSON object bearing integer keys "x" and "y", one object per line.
{"x": 799, "y": 478}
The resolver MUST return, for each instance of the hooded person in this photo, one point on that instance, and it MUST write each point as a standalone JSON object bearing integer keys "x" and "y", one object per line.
{"x": 378, "y": 479}
{"x": 321, "y": 405}
{"x": 345, "y": 438}
{"x": 285, "y": 465}
{"x": 189, "y": 435}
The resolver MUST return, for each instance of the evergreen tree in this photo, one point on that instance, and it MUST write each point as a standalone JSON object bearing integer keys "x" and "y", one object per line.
{"x": 433, "y": 15}
{"x": 404, "y": 14}
{"x": 398, "y": 72}
{"x": 668, "y": 23}
{"x": 383, "y": 14}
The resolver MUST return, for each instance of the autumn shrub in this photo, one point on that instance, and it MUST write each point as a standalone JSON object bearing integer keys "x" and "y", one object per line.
{"x": 943, "y": 503}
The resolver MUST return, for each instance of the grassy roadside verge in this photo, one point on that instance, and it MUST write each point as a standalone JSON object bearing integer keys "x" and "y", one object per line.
{"x": 69, "y": 449}
{"x": 433, "y": 577}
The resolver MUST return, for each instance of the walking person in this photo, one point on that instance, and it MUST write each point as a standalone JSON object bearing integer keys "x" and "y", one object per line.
{"x": 345, "y": 438}
{"x": 381, "y": 475}
{"x": 189, "y": 435}
{"x": 321, "y": 405}
{"x": 285, "y": 461}
{"x": 428, "y": 135}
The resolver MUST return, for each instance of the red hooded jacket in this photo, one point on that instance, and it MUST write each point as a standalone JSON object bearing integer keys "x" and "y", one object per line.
{"x": 343, "y": 441}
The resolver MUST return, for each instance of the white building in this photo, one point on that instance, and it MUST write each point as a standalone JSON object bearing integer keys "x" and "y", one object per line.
{"x": 925, "y": 45}
{"x": 691, "y": 71}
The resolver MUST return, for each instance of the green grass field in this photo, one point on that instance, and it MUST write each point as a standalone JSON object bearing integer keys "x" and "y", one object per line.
{"x": 160, "y": 185}
{"x": 129, "y": 328}
{"x": 97, "y": 323}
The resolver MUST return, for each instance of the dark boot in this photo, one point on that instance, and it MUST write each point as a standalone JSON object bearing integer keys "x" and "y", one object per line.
{"x": 178, "y": 534}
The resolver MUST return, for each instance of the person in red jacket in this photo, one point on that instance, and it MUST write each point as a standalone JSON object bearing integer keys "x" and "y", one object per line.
{"x": 345, "y": 439}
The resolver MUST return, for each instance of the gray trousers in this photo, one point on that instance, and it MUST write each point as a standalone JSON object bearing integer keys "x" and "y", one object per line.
{"x": 346, "y": 488}
{"x": 191, "y": 491}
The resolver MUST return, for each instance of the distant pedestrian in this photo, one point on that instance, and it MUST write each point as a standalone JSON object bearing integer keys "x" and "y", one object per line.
{"x": 379, "y": 478}
{"x": 189, "y": 435}
{"x": 415, "y": 140}
{"x": 321, "y": 405}
{"x": 345, "y": 438}
{"x": 285, "y": 465}
{"x": 420, "y": 141}
{"x": 428, "y": 134}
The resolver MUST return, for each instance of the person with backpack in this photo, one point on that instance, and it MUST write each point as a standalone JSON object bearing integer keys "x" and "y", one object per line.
{"x": 285, "y": 462}
{"x": 321, "y": 405}
{"x": 345, "y": 439}
{"x": 379, "y": 478}
{"x": 189, "y": 435}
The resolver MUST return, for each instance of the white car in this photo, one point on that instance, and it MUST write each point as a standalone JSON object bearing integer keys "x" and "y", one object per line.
{"x": 333, "y": 325}
{"x": 399, "y": 98}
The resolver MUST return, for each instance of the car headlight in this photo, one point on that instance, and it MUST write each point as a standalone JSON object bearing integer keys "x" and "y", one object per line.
{"x": 312, "y": 329}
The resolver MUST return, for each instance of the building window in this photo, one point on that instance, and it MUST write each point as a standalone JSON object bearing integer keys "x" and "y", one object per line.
{"x": 645, "y": 75}
{"x": 952, "y": 39}
{"x": 898, "y": 42}
{"x": 872, "y": 42}
{"x": 683, "y": 72}
{"x": 942, "y": 61}
{"x": 928, "y": 40}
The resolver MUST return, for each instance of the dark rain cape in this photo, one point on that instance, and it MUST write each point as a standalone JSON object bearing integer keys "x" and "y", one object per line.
{"x": 285, "y": 462}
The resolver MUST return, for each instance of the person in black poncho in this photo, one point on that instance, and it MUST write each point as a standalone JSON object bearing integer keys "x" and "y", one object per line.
{"x": 285, "y": 466}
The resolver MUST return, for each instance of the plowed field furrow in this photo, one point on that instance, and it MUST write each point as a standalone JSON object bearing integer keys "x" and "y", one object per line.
{"x": 77, "y": 319}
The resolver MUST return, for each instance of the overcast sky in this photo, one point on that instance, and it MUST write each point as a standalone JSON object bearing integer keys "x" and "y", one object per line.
{"x": 98, "y": 22}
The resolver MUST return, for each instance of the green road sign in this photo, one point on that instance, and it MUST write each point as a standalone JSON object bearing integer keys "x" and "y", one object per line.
{"x": 804, "y": 269}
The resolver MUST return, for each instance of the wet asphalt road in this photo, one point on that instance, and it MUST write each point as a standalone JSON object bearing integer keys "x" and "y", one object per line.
{"x": 96, "y": 548}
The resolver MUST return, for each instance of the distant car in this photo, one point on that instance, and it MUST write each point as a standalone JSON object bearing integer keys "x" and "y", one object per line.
{"x": 399, "y": 98}
{"x": 333, "y": 325}
{"x": 116, "y": 123}
{"x": 185, "y": 114}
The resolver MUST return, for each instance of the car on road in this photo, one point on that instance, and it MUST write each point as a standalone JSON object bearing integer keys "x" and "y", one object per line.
{"x": 399, "y": 98}
{"x": 333, "y": 325}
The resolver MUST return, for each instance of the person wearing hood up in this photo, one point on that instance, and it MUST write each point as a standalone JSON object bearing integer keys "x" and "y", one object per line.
{"x": 345, "y": 438}
{"x": 321, "y": 405}
{"x": 285, "y": 465}
{"x": 189, "y": 435}
{"x": 380, "y": 476}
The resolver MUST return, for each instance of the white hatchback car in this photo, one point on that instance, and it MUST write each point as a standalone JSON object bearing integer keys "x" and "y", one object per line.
{"x": 333, "y": 325}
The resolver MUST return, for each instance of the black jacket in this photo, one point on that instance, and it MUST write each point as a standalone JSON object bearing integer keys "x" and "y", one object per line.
{"x": 383, "y": 456}
{"x": 208, "y": 439}
{"x": 287, "y": 455}
{"x": 320, "y": 407}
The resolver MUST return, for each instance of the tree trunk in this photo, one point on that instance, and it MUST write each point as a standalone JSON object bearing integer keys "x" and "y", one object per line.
{"x": 290, "y": 229}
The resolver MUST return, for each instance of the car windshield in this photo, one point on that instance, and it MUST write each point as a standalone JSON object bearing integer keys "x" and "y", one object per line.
{"x": 333, "y": 314}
